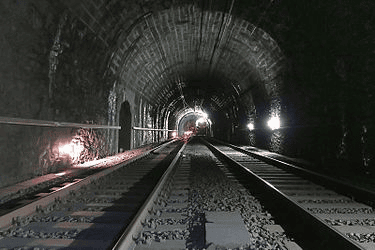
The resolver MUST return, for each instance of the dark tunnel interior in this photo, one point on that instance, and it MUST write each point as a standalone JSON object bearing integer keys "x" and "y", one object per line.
{"x": 292, "y": 77}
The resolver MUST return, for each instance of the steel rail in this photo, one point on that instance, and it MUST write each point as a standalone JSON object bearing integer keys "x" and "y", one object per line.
{"x": 126, "y": 240}
{"x": 43, "y": 123}
{"x": 295, "y": 217}
{"x": 359, "y": 194}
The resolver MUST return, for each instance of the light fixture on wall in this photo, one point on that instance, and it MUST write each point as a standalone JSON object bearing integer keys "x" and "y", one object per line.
{"x": 250, "y": 126}
{"x": 274, "y": 123}
{"x": 72, "y": 149}
{"x": 200, "y": 121}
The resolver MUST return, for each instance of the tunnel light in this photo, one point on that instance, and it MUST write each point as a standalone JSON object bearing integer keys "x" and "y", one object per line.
{"x": 274, "y": 123}
{"x": 200, "y": 120}
{"x": 174, "y": 134}
{"x": 60, "y": 174}
{"x": 72, "y": 149}
{"x": 250, "y": 126}
{"x": 65, "y": 149}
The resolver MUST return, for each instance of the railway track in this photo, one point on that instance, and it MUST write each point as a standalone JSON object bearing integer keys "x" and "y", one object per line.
{"x": 324, "y": 215}
{"x": 193, "y": 199}
{"x": 26, "y": 192}
{"x": 203, "y": 206}
{"x": 91, "y": 213}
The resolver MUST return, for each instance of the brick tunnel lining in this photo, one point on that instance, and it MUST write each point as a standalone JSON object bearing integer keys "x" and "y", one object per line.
{"x": 77, "y": 42}
{"x": 171, "y": 50}
{"x": 196, "y": 58}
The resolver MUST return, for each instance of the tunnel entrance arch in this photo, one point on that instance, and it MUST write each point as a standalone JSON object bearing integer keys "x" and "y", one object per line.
{"x": 194, "y": 121}
{"x": 126, "y": 126}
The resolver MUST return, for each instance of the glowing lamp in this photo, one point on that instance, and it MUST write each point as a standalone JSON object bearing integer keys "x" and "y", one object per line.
{"x": 199, "y": 121}
{"x": 274, "y": 123}
{"x": 250, "y": 126}
{"x": 174, "y": 134}
{"x": 60, "y": 174}
{"x": 72, "y": 149}
{"x": 66, "y": 149}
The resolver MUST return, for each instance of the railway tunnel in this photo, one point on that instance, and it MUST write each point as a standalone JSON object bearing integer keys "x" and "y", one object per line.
{"x": 292, "y": 77}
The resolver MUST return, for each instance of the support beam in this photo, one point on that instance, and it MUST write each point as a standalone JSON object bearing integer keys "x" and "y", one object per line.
{"x": 41, "y": 123}
{"x": 152, "y": 129}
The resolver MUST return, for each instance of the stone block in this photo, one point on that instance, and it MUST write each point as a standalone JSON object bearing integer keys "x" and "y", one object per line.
{"x": 226, "y": 229}
{"x": 167, "y": 245}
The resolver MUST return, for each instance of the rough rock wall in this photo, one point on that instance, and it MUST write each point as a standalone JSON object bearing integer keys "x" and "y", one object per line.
{"x": 51, "y": 68}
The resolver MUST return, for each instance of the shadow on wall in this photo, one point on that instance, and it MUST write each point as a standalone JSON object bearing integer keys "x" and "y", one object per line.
{"x": 300, "y": 142}
{"x": 126, "y": 126}
{"x": 327, "y": 146}
{"x": 323, "y": 146}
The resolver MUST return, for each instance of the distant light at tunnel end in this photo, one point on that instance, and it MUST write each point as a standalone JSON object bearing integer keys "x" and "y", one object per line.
{"x": 187, "y": 133}
{"x": 274, "y": 123}
{"x": 200, "y": 120}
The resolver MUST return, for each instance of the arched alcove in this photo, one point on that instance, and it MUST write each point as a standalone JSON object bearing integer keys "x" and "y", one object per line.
{"x": 126, "y": 126}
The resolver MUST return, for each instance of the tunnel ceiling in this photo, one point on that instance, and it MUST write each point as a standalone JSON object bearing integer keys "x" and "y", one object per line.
{"x": 177, "y": 55}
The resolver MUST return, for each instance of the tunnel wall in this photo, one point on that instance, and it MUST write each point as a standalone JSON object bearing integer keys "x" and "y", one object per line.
{"x": 144, "y": 116}
{"x": 51, "y": 68}
{"x": 328, "y": 97}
